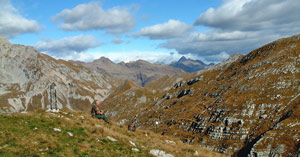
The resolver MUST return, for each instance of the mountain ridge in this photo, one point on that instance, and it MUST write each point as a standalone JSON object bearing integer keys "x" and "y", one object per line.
{"x": 247, "y": 105}
{"x": 238, "y": 107}
{"x": 140, "y": 72}
{"x": 189, "y": 65}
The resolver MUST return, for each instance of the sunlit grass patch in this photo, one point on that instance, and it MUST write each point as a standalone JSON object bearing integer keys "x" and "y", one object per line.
{"x": 77, "y": 134}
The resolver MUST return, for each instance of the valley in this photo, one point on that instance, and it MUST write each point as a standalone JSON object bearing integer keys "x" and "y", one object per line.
{"x": 246, "y": 105}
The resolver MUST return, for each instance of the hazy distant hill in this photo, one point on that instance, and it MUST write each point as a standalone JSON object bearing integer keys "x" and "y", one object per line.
{"x": 189, "y": 65}
{"x": 140, "y": 72}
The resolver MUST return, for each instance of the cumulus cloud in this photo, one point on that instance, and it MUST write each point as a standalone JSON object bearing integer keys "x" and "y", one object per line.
{"x": 252, "y": 15}
{"x": 168, "y": 30}
{"x": 217, "y": 57}
{"x": 67, "y": 46}
{"x": 117, "y": 41}
{"x": 207, "y": 44}
{"x": 12, "y": 23}
{"x": 239, "y": 26}
{"x": 91, "y": 16}
{"x": 220, "y": 36}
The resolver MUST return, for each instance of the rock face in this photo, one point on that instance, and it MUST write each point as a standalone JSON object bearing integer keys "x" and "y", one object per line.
{"x": 248, "y": 105}
{"x": 26, "y": 76}
{"x": 189, "y": 65}
{"x": 165, "y": 83}
{"x": 140, "y": 72}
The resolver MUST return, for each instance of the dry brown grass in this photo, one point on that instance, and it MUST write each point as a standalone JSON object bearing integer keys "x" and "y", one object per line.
{"x": 20, "y": 137}
{"x": 150, "y": 140}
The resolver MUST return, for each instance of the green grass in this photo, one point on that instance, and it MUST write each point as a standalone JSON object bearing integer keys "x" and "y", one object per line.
{"x": 33, "y": 135}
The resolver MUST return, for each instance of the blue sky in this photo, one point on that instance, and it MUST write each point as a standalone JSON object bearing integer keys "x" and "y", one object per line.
{"x": 152, "y": 30}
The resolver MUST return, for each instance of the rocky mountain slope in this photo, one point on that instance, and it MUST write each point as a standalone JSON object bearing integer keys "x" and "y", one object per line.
{"x": 165, "y": 83}
{"x": 189, "y": 65}
{"x": 26, "y": 76}
{"x": 127, "y": 101}
{"x": 248, "y": 105}
{"x": 140, "y": 72}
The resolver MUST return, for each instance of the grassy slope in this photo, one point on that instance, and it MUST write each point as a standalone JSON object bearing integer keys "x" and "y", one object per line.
{"x": 33, "y": 134}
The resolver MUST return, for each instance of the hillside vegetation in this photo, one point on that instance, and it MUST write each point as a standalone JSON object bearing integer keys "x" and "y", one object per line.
{"x": 245, "y": 107}
{"x": 76, "y": 134}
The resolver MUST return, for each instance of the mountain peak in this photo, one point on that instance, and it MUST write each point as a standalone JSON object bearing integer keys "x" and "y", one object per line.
{"x": 140, "y": 61}
{"x": 182, "y": 59}
{"x": 103, "y": 60}
{"x": 189, "y": 65}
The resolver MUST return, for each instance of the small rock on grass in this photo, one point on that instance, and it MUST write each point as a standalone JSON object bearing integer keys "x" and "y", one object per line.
{"x": 112, "y": 139}
{"x": 67, "y": 118}
{"x": 159, "y": 153}
{"x": 196, "y": 153}
{"x": 53, "y": 110}
{"x": 170, "y": 142}
{"x": 135, "y": 149}
{"x": 57, "y": 129}
{"x": 70, "y": 134}
{"x": 132, "y": 143}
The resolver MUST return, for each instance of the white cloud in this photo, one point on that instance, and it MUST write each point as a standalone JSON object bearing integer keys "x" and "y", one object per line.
{"x": 150, "y": 56}
{"x": 117, "y": 41}
{"x": 168, "y": 30}
{"x": 67, "y": 46}
{"x": 222, "y": 56}
{"x": 91, "y": 16}
{"x": 220, "y": 35}
{"x": 239, "y": 26}
{"x": 252, "y": 15}
{"x": 207, "y": 44}
{"x": 12, "y": 23}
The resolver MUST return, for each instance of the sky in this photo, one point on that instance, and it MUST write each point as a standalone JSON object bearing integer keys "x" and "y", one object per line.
{"x": 152, "y": 30}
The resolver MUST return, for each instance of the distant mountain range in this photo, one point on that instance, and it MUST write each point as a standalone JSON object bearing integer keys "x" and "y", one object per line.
{"x": 189, "y": 65}
{"x": 140, "y": 72}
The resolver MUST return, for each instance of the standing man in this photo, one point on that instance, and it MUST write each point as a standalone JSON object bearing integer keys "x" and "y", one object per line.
{"x": 97, "y": 112}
